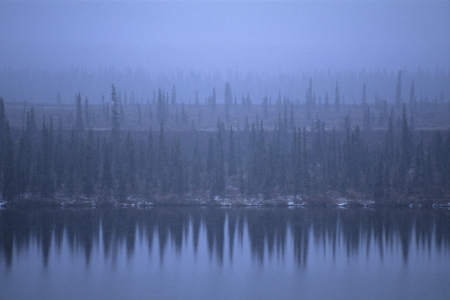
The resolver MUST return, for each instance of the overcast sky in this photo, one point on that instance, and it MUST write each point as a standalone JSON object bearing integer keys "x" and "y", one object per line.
{"x": 253, "y": 35}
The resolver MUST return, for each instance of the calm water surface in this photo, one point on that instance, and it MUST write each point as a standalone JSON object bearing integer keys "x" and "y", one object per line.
{"x": 204, "y": 253}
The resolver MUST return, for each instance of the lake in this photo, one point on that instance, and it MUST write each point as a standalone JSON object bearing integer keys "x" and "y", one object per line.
{"x": 225, "y": 253}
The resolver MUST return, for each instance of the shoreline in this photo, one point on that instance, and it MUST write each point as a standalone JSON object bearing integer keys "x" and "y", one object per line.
{"x": 201, "y": 201}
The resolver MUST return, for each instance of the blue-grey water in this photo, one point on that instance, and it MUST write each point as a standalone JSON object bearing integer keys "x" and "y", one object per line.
{"x": 206, "y": 253}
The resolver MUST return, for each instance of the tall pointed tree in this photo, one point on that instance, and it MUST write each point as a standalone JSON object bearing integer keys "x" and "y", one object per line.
{"x": 364, "y": 97}
{"x": 337, "y": 100}
{"x": 79, "y": 124}
{"x": 219, "y": 166}
{"x": 398, "y": 90}
{"x": 232, "y": 164}
{"x": 115, "y": 122}
{"x": 9, "y": 187}
{"x": 46, "y": 184}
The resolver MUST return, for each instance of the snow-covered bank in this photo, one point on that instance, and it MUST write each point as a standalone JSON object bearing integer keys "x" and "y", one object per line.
{"x": 224, "y": 201}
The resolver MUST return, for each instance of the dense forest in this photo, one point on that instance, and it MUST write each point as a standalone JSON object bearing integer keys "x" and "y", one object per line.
{"x": 162, "y": 151}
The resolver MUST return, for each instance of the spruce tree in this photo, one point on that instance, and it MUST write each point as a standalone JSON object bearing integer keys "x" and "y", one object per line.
{"x": 196, "y": 167}
{"x": 88, "y": 166}
{"x": 46, "y": 177}
{"x": 115, "y": 122}
{"x": 79, "y": 124}
{"x": 86, "y": 112}
{"x": 2, "y": 134}
{"x": 337, "y": 103}
{"x": 232, "y": 164}
{"x": 163, "y": 164}
{"x": 219, "y": 166}
{"x": 151, "y": 164}
{"x": 107, "y": 173}
{"x": 364, "y": 97}
{"x": 9, "y": 187}
{"x": 398, "y": 90}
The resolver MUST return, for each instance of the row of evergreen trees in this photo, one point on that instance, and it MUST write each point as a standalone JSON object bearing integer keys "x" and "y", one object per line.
{"x": 183, "y": 116}
{"x": 47, "y": 161}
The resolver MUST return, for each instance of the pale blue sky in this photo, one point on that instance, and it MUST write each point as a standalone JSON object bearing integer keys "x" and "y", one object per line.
{"x": 254, "y": 35}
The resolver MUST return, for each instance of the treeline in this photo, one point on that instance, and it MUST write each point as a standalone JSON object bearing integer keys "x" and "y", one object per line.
{"x": 238, "y": 110}
{"x": 44, "y": 160}
{"x": 139, "y": 84}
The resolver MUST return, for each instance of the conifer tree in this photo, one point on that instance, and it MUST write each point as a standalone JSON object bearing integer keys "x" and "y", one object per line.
{"x": 9, "y": 188}
{"x": 86, "y": 112}
{"x": 115, "y": 122}
{"x": 364, "y": 96}
{"x": 130, "y": 162}
{"x": 89, "y": 166}
{"x": 412, "y": 95}
{"x": 161, "y": 107}
{"x": 213, "y": 101}
{"x": 266, "y": 106}
{"x": 107, "y": 176}
{"x": 46, "y": 177}
{"x": 2, "y": 134}
{"x": 219, "y": 166}
{"x": 291, "y": 118}
{"x": 196, "y": 167}
{"x": 151, "y": 165}
{"x": 337, "y": 103}
{"x": 398, "y": 90}
{"x": 177, "y": 170}
{"x": 210, "y": 162}
{"x": 79, "y": 124}
{"x": 173, "y": 97}
{"x": 162, "y": 164}
{"x": 406, "y": 145}
{"x": 228, "y": 98}
{"x": 232, "y": 166}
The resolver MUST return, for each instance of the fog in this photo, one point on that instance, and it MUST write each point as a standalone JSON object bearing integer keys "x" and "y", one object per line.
{"x": 257, "y": 36}
{"x": 263, "y": 48}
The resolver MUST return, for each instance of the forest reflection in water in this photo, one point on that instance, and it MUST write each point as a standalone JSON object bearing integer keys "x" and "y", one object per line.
{"x": 269, "y": 233}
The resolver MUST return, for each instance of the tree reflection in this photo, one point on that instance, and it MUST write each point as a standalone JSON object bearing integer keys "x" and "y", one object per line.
{"x": 268, "y": 232}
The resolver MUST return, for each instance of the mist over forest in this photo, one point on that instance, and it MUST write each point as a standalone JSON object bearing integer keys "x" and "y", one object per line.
{"x": 44, "y": 86}
{"x": 261, "y": 48}
{"x": 123, "y": 100}
{"x": 224, "y": 149}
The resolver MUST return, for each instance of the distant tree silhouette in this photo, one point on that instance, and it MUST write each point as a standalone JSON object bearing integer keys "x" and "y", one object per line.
{"x": 337, "y": 101}
{"x": 79, "y": 124}
{"x": 9, "y": 187}
{"x": 115, "y": 122}
{"x": 398, "y": 90}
